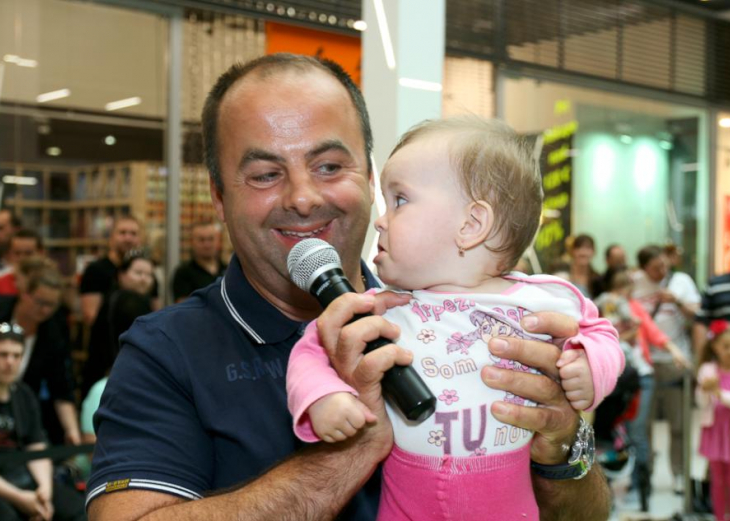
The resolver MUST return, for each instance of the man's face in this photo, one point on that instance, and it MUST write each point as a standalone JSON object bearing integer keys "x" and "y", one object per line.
{"x": 205, "y": 242}
{"x": 616, "y": 257}
{"x": 11, "y": 353}
{"x": 656, "y": 268}
{"x": 125, "y": 237}
{"x": 21, "y": 248}
{"x": 292, "y": 158}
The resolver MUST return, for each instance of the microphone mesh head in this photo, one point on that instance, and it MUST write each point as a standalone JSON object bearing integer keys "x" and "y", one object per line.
{"x": 307, "y": 257}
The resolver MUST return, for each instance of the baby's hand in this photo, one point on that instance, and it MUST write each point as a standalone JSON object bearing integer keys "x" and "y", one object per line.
{"x": 576, "y": 378}
{"x": 338, "y": 416}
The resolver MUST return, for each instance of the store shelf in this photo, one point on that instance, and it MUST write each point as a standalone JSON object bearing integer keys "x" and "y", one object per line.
{"x": 73, "y": 208}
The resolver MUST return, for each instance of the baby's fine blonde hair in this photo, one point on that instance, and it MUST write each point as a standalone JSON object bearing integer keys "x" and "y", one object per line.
{"x": 496, "y": 165}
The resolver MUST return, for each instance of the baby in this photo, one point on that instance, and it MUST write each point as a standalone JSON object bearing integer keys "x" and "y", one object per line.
{"x": 463, "y": 201}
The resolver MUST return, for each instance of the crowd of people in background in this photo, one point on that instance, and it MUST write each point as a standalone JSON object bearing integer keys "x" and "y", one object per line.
{"x": 47, "y": 397}
{"x": 666, "y": 327}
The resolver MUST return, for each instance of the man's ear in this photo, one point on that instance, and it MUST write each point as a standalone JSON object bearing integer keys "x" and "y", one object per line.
{"x": 217, "y": 198}
{"x": 477, "y": 225}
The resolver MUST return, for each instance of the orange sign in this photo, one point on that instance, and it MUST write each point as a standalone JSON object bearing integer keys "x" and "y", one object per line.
{"x": 339, "y": 48}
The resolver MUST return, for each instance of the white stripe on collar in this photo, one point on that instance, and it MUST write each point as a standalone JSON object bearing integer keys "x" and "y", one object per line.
{"x": 236, "y": 316}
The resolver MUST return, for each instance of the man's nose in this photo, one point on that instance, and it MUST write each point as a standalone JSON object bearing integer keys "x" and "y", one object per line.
{"x": 303, "y": 193}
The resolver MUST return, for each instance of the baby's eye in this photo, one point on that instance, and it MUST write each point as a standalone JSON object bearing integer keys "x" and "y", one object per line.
{"x": 399, "y": 200}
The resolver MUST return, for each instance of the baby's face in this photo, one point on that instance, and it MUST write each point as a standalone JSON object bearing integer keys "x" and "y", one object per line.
{"x": 424, "y": 210}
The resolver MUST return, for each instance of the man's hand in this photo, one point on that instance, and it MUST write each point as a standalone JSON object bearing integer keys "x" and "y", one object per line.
{"x": 554, "y": 421}
{"x": 346, "y": 342}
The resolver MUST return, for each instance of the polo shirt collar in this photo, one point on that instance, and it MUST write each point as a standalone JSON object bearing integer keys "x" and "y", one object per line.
{"x": 259, "y": 319}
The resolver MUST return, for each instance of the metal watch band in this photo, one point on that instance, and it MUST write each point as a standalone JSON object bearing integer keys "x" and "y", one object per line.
{"x": 582, "y": 454}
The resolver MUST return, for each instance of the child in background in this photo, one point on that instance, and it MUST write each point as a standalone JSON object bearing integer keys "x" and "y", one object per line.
{"x": 713, "y": 396}
{"x": 463, "y": 200}
{"x": 636, "y": 331}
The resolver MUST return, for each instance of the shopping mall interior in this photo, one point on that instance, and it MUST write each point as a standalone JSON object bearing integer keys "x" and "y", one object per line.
{"x": 624, "y": 106}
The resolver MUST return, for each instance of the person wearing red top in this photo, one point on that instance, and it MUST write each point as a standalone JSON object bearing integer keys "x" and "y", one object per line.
{"x": 25, "y": 243}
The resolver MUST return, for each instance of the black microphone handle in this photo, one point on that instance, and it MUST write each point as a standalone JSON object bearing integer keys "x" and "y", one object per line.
{"x": 402, "y": 385}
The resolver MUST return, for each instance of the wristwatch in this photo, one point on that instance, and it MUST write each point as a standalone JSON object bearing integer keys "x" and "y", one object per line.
{"x": 582, "y": 455}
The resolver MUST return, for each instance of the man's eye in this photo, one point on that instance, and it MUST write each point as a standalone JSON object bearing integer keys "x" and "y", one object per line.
{"x": 399, "y": 200}
{"x": 329, "y": 168}
{"x": 264, "y": 178}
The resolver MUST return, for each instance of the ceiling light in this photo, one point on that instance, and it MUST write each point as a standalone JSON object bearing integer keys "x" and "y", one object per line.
{"x": 360, "y": 25}
{"x": 724, "y": 122}
{"x": 110, "y": 140}
{"x": 123, "y": 103}
{"x": 666, "y": 145}
{"x": 20, "y": 62}
{"x": 53, "y": 95}
{"x": 19, "y": 180}
{"x": 420, "y": 84}
{"x": 53, "y": 151}
{"x": 626, "y": 139}
{"x": 384, "y": 34}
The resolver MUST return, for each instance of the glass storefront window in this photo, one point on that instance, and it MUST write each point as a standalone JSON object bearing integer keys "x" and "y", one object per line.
{"x": 622, "y": 169}
{"x": 83, "y": 103}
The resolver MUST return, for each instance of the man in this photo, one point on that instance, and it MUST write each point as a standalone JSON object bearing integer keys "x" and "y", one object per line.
{"x": 27, "y": 490}
{"x": 615, "y": 257}
{"x": 715, "y": 305}
{"x": 198, "y": 390}
{"x": 672, "y": 299}
{"x": 25, "y": 243}
{"x": 615, "y": 260}
{"x": 9, "y": 223}
{"x": 205, "y": 264}
{"x": 100, "y": 276}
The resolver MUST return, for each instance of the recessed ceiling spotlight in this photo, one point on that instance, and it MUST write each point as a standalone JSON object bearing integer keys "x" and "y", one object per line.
{"x": 724, "y": 122}
{"x": 360, "y": 25}
{"x": 53, "y": 151}
{"x": 110, "y": 140}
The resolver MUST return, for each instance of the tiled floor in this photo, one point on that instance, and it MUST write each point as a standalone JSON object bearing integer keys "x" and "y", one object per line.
{"x": 664, "y": 504}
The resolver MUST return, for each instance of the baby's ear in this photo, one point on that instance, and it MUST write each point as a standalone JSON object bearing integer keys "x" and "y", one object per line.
{"x": 477, "y": 225}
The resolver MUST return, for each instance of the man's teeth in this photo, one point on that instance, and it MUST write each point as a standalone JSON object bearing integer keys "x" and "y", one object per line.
{"x": 302, "y": 234}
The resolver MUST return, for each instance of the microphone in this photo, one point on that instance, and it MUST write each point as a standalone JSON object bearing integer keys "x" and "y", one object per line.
{"x": 314, "y": 266}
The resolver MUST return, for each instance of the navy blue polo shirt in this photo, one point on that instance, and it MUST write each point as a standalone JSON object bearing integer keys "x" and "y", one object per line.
{"x": 196, "y": 400}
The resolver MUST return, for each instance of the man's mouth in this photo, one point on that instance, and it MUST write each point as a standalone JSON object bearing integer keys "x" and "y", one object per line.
{"x": 302, "y": 235}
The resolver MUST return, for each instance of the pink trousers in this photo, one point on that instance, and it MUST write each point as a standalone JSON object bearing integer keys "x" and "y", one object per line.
{"x": 476, "y": 488}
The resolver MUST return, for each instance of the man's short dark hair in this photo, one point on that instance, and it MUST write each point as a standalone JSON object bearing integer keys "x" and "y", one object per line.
{"x": 269, "y": 64}
{"x": 648, "y": 254}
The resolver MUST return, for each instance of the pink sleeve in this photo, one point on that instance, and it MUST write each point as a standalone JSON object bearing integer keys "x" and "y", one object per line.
{"x": 309, "y": 377}
{"x": 649, "y": 329}
{"x": 599, "y": 339}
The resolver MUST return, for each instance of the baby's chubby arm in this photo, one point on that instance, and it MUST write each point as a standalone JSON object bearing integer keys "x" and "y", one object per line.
{"x": 576, "y": 378}
{"x": 338, "y": 416}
